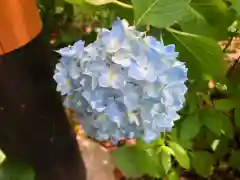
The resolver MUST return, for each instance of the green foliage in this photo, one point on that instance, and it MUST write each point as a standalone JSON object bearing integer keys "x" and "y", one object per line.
{"x": 190, "y": 127}
{"x": 165, "y": 158}
{"x": 202, "y": 162}
{"x": 159, "y": 13}
{"x": 201, "y": 54}
{"x": 217, "y": 122}
{"x": 236, "y": 6}
{"x": 209, "y": 18}
{"x": 234, "y": 160}
{"x": 237, "y": 117}
{"x": 130, "y": 161}
{"x": 224, "y": 105}
{"x": 12, "y": 169}
{"x": 207, "y": 134}
{"x": 180, "y": 154}
{"x": 173, "y": 176}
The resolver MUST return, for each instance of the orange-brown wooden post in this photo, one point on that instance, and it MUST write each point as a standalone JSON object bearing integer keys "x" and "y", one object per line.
{"x": 33, "y": 125}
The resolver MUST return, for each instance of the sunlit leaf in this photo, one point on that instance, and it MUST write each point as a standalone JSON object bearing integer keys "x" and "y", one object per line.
{"x": 173, "y": 176}
{"x": 180, "y": 154}
{"x": 165, "y": 157}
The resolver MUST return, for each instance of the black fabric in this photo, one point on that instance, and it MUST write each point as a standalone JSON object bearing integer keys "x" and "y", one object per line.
{"x": 33, "y": 125}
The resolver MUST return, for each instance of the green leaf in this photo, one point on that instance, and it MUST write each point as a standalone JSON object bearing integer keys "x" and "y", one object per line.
{"x": 141, "y": 144}
{"x": 222, "y": 148}
{"x": 175, "y": 136}
{"x": 234, "y": 160}
{"x": 173, "y": 175}
{"x": 76, "y": 2}
{"x": 217, "y": 122}
{"x": 167, "y": 149}
{"x": 159, "y": 13}
{"x": 236, "y": 6}
{"x": 202, "y": 162}
{"x": 11, "y": 169}
{"x": 203, "y": 56}
{"x": 129, "y": 159}
{"x": 227, "y": 127}
{"x": 192, "y": 100}
{"x": 224, "y": 104}
{"x": 99, "y": 2}
{"x": 209, "y": 18}
{"x": 59, "y": 3}
{"x": 190, "y": 127}
{"x": 165, "y": 158}
{"x": 237, "y": 117}
{"x": 180, "y": 154}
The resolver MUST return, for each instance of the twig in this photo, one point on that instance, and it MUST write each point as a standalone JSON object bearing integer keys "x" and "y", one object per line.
{"x": 229, "y": 41}
{"x": 233, "y": 67}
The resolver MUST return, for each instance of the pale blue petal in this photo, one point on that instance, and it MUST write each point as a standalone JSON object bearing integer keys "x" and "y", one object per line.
{"x": 122, "y": 57}
{"x": 135, "y": 72}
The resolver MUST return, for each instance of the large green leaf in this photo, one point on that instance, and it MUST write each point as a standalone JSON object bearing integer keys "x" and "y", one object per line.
{"x": 236, "y": 6}
{"x": 224, "y": 104}
{"x": 190, "y": 127}
{"x": 180, "y": 154}
{"x": 175, "y": 136}
{"x": 135, "y": 162}
{"x": 203, "y": 56}
{"x": 159, "y": 13}
{"x": 217, "y": 122}
{"x": 202, "y": 162}
{"x": 209, "y": 18}
{"x": 165, "y": 157}
{"x": 15, "y": 170}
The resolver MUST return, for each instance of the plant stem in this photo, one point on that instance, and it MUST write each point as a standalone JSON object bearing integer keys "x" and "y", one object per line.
{"x": 233, "y": 67}
{"x": 229, "y": 42}
{"x": 128, "y": 6}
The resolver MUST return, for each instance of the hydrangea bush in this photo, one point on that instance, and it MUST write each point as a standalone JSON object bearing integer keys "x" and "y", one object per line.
{"x": 125, "y": 84}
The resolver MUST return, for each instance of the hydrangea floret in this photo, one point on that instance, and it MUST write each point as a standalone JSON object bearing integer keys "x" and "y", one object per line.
{"x": 123, "y": 85}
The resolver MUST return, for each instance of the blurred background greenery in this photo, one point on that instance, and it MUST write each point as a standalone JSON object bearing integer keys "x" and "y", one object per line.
{"x": 66, "y": 21}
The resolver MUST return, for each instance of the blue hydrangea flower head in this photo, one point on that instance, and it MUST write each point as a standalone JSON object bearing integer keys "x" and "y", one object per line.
{"x": 123, "y": 85}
